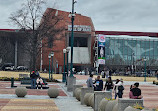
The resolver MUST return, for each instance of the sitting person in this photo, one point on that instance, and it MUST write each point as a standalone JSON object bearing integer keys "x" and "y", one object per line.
{"x": 98, "y": 84}
{"x": 33, "y": 80}
{"x": 135, "y": 92}
{"x": 39, "y": 81}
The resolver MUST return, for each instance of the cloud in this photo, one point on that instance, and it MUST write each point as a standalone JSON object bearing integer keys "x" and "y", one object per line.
{"x": 121, "y": 15}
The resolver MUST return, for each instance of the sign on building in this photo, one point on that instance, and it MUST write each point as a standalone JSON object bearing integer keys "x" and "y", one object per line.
{"x": 80, "y": 28}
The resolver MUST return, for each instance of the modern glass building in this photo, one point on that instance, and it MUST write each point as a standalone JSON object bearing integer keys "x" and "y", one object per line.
{"x": 123, "y": 51}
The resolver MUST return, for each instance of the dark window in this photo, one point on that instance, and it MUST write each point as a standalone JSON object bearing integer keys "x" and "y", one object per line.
{"x": 79, "y": 41}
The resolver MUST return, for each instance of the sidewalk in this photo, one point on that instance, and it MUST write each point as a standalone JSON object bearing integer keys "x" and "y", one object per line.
{"x": 38, "y": 100}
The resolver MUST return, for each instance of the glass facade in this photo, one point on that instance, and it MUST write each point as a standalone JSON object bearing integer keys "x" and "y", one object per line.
{"x": 131, "y": 50}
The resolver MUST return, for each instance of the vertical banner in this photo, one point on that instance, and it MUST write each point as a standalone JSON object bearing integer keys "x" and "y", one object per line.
{"x": 101, "y": 49}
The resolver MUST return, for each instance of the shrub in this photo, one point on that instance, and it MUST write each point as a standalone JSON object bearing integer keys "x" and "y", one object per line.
{"x": 138, "y": 106}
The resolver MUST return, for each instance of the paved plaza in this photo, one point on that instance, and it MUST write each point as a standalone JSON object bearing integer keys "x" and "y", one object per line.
{"x": 37, "y": 99}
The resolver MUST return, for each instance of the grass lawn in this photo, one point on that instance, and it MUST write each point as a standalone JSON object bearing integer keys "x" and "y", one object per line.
{"x": 59, "y": 76}
{"x": 16, "y": 74}
{"x": 125, "y": 78}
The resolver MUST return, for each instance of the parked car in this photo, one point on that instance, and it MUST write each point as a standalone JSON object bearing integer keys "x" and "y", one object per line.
{"x": 81, "y": 73}
{"x": 21, "y": 68}
{"x": 8, "y": 66}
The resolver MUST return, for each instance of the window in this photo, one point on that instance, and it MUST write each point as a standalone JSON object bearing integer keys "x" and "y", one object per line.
{"x": 79, "y": 41}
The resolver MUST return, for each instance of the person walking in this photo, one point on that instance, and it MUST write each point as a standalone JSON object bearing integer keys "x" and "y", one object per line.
{"x": 33, "y": 77}
{"x": 90, "y": 81}
{"x": 117, "y": 80}
{"x": 119, "y": 88}
{"x": 99, "y": 84}
{"x": 109, "y": 85}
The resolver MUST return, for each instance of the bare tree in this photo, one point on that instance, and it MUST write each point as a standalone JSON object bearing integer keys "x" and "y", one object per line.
{"x": 37, "y": 27}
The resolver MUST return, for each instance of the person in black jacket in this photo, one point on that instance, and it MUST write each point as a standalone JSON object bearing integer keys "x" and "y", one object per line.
{"x": 99, "y": 84}
{"x": 33, "y": 77}
{"x": 109, "y": 85}
{"x": 136, "y": 91}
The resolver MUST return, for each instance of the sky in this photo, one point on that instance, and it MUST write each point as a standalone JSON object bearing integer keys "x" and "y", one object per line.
{"x": 107, "y": 15}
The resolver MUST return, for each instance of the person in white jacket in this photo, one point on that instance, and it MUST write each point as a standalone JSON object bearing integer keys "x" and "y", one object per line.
{"x": 39, "y": 81}
{"x": 119, "y": 88}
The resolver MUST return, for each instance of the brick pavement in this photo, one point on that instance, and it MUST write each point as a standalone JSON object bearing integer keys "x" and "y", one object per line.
{"x": 27, "y": 104}
{"x": 5, "y": 89}
{"x": 149, "y": 92}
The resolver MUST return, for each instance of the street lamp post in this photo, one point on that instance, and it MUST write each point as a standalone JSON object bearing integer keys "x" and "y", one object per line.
{"x": 64, "y": 75}
{"x": 145, "y": 69}
{"x": 133, "y": 63}
{"x": 49, "y": 57}
{"x": 67, "y": 51}
{"x": 72, "y": 36}
{"x": 52, "y": 54}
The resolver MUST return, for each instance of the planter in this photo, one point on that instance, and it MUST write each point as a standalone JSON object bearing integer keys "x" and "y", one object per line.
{"x": 21, "y": 91}
{"x": 53, "y": 92}
{"x": 86, "y": 97}
{"x": 102, "y": 104}
{"x": 110, "y": 105}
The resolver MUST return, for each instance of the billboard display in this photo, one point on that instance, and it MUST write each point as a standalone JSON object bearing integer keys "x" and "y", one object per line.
{"x": 101, "y": 49}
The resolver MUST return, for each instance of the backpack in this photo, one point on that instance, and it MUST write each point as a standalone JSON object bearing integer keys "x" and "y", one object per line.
{"x": 120, "y": 88}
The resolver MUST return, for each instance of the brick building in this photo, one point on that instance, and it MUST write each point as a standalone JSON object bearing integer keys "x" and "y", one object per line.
{"x": 83, "y": 42}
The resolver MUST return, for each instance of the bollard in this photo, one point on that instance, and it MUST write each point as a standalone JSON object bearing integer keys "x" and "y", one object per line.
{"x": 12, "y": 82}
